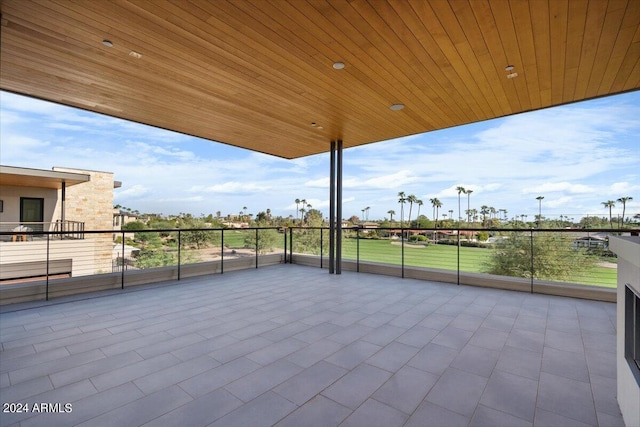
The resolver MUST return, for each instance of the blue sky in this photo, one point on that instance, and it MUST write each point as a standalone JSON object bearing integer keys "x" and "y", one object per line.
{"x": 576, "y": 156}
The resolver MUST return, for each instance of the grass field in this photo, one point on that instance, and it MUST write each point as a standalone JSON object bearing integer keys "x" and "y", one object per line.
{"x": 446, "y": 257}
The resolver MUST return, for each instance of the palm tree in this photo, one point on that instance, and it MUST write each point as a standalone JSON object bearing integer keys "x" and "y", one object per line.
{"x": 468, "y": 203}
{"x": 367, "y": 212}
{"x": 460, "y": 191}
{"x": 411, "y": 198}
{"x": 419, "y": 203}
{"x": 484, "y": 210}
{"x": 624, "y": 201}
{"x": 438, "y": 205}
{"x": 609, "y": 204}
{"x": 391, "y": 213}
{"x": 297, "y": 203}
{"x": 402, "y": 200}
{"x": 539, "y": 199}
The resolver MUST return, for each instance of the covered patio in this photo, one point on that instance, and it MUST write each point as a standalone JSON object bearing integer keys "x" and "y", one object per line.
{"x": 289, "y": 345}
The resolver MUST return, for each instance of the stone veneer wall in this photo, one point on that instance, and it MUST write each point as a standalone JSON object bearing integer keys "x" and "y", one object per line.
{"x": 92, "y": 203}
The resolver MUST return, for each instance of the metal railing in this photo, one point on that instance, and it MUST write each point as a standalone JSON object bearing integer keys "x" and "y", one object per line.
{"x": 557, "y": 255}
{"x": 60, "y": 229}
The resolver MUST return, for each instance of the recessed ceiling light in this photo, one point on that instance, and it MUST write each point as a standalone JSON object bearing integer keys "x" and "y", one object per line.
{"x": 512, "y": 75}
{"x": 509, "y": 68}
{"x": 396, "y": 107}
{"x": 135, "y": 54}
{"x": 107, "y": 43}
{"x": 338, "y": 65}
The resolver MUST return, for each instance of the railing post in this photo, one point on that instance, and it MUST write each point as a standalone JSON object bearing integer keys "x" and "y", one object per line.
{"x": 256, "y": 248}
{"x": 458, "y": 268}
{"x": 123, "y": 264}
{"x": 358, "y": 250}
{"x": 285, "y": 246}
{"x": 46, "y": 297}
{"x": 402, "y": 249}
{"x": 222, "y": 251}
{"x": 531, "y": 250}
{"x": 321, "y": 240}
{"x": 291, "y": 245}
{"x": 179, "y": 251}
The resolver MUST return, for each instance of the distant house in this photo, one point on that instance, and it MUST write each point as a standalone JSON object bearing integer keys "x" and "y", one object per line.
{"x": 591, "y": 242}
{"x": 63, "y": 200}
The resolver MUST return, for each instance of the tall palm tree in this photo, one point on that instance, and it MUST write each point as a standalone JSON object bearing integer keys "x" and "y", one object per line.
{"x": 624, "y": 201}
{"x": 402, "y": 199}
{"x": 433, "y": 204}
{"x": 419, "y": 203}
{"x": 297, "y": 204}
{"x": 367, "y": 212}
{"x": 460, "y": 191}
{"x": 438, "y": 205}
{"x": 411, "y": 198}
{"x": 391, "y": 213}
{"x": 609, "y": 204}
{"x": 484, "y": 210}
{"x": 469, "y": 203}
{"x": 539, "y": 199}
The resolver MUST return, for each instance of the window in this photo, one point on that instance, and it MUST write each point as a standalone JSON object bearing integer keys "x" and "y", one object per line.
{"x": 632, "y": 331}
{"x": 32, "y": 210}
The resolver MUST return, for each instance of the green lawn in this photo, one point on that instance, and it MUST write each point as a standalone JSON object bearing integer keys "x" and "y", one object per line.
{"x": 446, "y": 257}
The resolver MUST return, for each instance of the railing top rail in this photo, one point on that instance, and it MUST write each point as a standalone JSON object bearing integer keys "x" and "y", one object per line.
{"x": 612, "y": 231}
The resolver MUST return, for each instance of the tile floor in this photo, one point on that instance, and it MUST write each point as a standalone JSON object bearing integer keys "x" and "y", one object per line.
{"x": 294, "y": 346}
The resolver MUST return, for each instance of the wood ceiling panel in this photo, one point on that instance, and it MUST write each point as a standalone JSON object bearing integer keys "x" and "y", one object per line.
{"x": 257, "y": 73}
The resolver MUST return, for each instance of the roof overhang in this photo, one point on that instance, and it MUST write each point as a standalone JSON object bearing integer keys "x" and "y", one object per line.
{"x": 259, "y": 74}
{"x": 39, "y": 178}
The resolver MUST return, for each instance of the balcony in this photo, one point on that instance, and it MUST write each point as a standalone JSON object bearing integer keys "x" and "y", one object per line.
{"x": 290, "y": 345}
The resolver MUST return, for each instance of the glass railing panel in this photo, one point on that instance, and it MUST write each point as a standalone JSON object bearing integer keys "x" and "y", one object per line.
{"x": 237, "y": 243}
{"x": 574, "y": 257}
{"x": 145, "y": 249}
{"x": 310, "y": 241}
{"x": 198, "y": 246}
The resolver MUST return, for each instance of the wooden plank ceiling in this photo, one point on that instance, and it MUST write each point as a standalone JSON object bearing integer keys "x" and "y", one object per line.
{"x": 258, "y": 73}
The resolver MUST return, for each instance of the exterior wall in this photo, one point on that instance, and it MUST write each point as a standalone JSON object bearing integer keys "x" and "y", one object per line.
{"x": 628, "y": 251}
{"x": 11, "y": 195}
{"x": 21, "y": 259}
{"x": 92, "y": 203}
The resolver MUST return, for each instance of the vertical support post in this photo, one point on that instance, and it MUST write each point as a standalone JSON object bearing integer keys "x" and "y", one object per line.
{"x": 179, "y": 251}
{"x": 62, "y": 204}
{"x": 285, "y": 245}
{"x": 357, "y": 250}
{"x": 321, "y": 239}
{"x": 46, "y": 296}
{"x": 124, "y": 263}
{"x": 531, "y": 249}
{"x": 222, "y": 251}
{"x": 257, "y": 248}
{"x": 401, "y": 250}
{"x": 339, "y": 207}
{"x": 332, "y": 208}
{"x": 291, "y": 246}
{"x": 458, "y": 256}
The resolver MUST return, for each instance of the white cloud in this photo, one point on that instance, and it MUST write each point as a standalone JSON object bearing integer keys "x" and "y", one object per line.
{"x": 230, "y": 187}
{"x": 551, "y": 187}
{"x": 133, "y": 191}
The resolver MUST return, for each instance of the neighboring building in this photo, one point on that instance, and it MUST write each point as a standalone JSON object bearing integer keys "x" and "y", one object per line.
{"x": 63, "y": 200}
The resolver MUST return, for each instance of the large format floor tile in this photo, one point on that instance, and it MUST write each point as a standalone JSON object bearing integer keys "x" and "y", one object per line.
{"x": 294, "y": 346}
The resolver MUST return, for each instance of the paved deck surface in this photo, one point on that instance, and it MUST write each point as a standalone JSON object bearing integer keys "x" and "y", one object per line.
{"x": 294, "y": 346}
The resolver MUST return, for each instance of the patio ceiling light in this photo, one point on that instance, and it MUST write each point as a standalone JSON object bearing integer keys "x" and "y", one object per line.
{"x": 396, "y": 107}
{"x": 107, "y": 43}
{"x": 338, "y": 65}
{"x": 135, "y": 54}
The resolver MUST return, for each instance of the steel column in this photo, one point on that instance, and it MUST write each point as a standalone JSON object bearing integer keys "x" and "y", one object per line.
{"x": 339, "y": 207}
{"x": 332, "y": 208}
